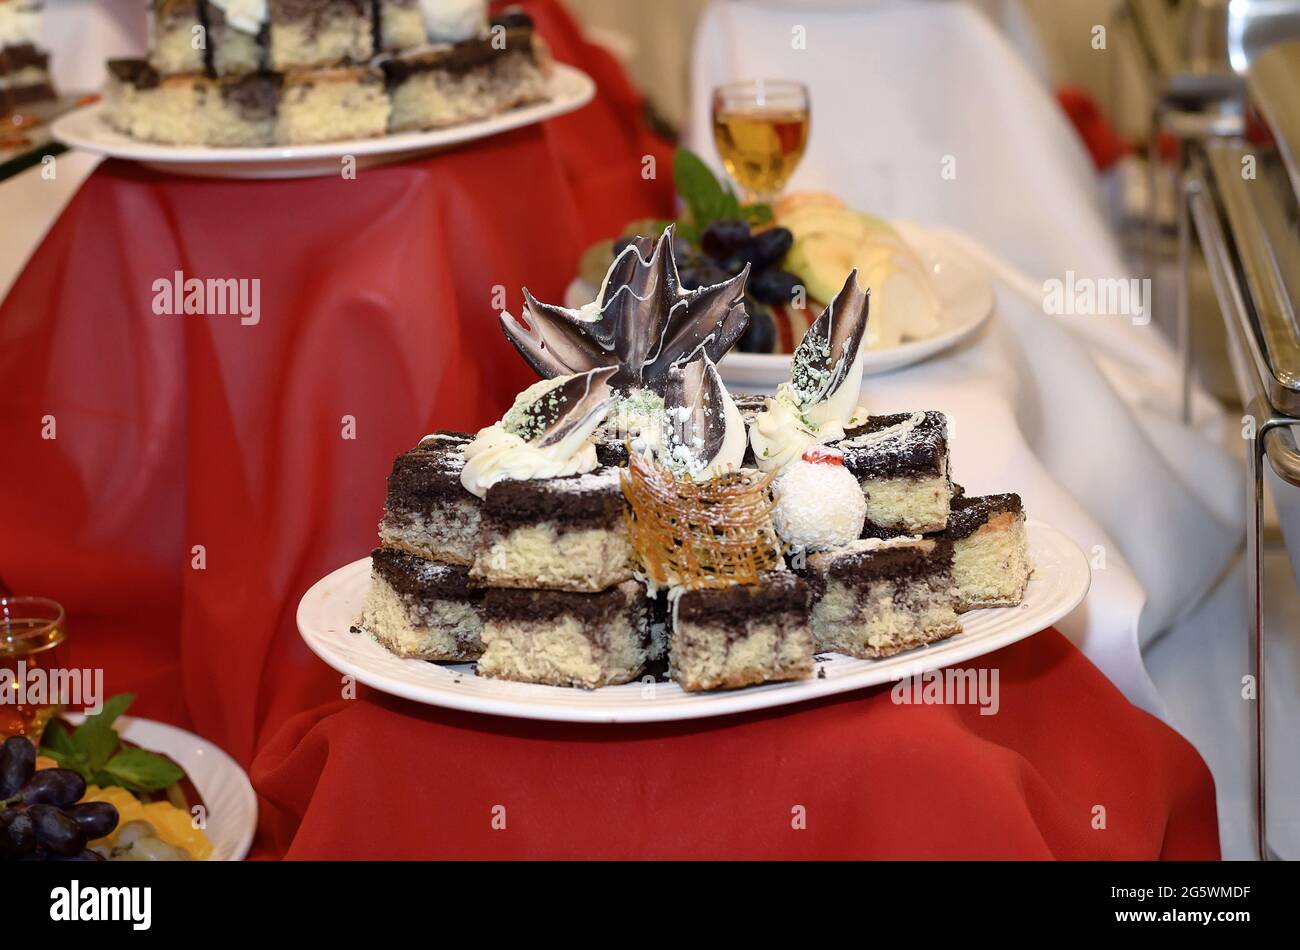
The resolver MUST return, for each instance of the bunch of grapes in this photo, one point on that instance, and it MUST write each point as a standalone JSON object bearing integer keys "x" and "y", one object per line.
{"x": 40, "y": 819}
{"x": 726, "y": 246}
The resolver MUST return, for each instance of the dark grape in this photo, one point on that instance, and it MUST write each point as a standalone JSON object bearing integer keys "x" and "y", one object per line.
{"x": 17, "y": 763}
{"x": 58, "y": 787}
{"x": 760, "y": 335}
{"x": 97, "y": 819}
{"x": 768, "y": 247}
{"x": 56, "y": 832}
{"x": 17, "y": 834}
{"x": 773, "y": 286}
{"x": 722, "y": 239}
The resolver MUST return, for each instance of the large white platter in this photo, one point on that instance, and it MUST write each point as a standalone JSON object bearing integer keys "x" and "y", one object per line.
{"x": 965, "y": 293}
{"x": 86, "y": 129}
{"x": 229, "y": 796}
{"x": 327, "y": 610}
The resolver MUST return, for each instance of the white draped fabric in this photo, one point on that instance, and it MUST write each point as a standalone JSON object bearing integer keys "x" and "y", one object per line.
{"x": 1079, "y": 414}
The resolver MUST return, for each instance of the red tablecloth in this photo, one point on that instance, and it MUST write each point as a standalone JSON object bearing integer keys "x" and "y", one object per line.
{"x": 179, "y": 481}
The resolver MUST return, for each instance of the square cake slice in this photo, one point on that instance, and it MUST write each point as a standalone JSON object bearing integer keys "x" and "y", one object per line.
{"x": 739, "y": 636}
{"x": 235, "y": 51}
{"x": 313, "y": 34}
{"x": 901, "y": 461}
{"x": 560, "y": 638}
{"x": 422, "y": 610}
{"x": 191, "y": 110}
{"x": 446, "y": 85}
{"x": 555, "y": 533}
{"x": 874, "y": 598}
{"x": 990, "y": 561}
{"x": 428, "y": 512}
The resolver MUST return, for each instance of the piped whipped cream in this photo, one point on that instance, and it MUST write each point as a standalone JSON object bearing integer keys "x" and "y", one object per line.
{"x": 509, "y": 450}
{"x": 247, "y": 16}
{"x": 452, "y": 21}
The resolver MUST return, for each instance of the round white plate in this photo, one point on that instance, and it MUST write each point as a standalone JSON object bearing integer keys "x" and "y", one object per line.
{"x": 232, "y": 804}
{"x": 965, "y": 293}
{"x": 86, "y": 129}
{"x": 328, "y": 609}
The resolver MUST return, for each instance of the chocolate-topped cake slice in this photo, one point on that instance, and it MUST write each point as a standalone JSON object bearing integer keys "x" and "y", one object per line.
{"x": 901, "y": 461}
{"x": 561, "y": 638}
{"x": 730, "y": 637}
{"x": 874, "y": 598}
{"x": 567, "y": 533}
{"x": 446, "y": 84}
{"x": 422, "y": 610}
{"x": 24, "y": 63}
{"x": 990, "y": 564}
{"x": 190, "y": 110}
{"x": 428, "y": 512}
{"x": 309, "y": 34}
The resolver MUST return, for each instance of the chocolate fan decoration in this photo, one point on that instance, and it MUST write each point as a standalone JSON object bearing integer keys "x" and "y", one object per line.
{"x": 645, "y": 324}
{"x": 695, "y": 401}
{"x": 823, "y": 358}
{"x": 558, "y": 412}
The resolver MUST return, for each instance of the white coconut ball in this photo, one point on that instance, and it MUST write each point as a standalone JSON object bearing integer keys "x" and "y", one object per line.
{"x": 819, "y": 504}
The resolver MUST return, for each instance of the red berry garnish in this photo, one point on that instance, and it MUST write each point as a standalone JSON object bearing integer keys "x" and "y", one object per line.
{"x": 821, "y": 455}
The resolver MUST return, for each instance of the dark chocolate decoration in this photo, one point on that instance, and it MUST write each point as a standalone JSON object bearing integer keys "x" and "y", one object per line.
{"x": 697, "y": 388}
{"x": 647, "y": 325}
{"x": 822, "y": 360}
{"x": 554, "y": 415}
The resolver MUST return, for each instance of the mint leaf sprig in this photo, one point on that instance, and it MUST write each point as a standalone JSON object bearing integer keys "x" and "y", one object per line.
{"x": 94, "y": 750}
{"x": 707, "y": 199}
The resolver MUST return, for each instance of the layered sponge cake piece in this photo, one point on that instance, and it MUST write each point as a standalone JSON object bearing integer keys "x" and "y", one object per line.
{"x": 990, "y": 563}
{"x": 427, "y": 511}
{"x": 875, "y": 598}
{"x": 307, "y": 34}
{"x": 445, "y": 85}
{"x": 739, "y": 636}
{"x": 180, "y": 110}
{"x": 422, "y": 610}
{"x": 561, "y": 638}
{"x": 332, "y": 104}
{"x": 555, "y": 533}
{"x": 901, "y": 461}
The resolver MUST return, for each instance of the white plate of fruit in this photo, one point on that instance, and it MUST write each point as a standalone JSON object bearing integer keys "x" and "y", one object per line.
{"x": 925, "y": 295}
{"x": 110, "y": 787}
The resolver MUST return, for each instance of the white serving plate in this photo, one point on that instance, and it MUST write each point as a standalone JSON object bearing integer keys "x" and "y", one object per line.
{"x": 226, "y": 790}
{"x": 964, "y": 291}
{"x": 86, "y": 129}
{"x": 327, "y": 611}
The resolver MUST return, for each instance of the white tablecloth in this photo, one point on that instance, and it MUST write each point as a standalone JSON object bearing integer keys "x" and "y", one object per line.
{"x": 1080, "y": 415}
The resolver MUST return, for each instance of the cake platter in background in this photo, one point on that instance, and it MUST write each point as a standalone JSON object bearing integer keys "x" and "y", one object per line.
{"x": 279, "y": 90}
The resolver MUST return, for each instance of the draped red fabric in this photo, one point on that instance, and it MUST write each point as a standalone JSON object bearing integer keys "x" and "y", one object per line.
{"x": 177, "y": 482}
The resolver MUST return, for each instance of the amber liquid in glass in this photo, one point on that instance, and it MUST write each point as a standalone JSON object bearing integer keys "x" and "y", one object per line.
{"x": 35, "y": 644}
{"x": 760, "y": 147}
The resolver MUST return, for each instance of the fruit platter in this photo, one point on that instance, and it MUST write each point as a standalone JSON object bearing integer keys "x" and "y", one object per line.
{"x": 83, "y": 790}
{"x": 925, "y": 296}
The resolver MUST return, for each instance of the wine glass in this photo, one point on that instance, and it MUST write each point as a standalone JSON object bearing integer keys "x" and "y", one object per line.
{"x": 761, "y": 130}
{"x": 32, "y": 638}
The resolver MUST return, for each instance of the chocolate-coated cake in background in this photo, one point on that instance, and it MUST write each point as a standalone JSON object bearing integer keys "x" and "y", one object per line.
{"x": 24, "y": 64}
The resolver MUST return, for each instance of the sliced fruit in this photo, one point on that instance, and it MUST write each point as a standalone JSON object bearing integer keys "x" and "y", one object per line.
{"x": 804, "y": 199}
